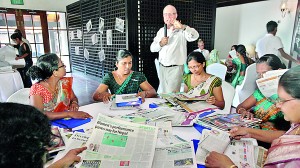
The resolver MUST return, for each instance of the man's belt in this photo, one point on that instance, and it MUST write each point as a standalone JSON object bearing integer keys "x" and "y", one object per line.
{"x": 168, "y": 65}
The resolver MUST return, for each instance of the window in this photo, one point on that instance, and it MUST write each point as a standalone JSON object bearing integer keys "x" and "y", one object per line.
{"x": 58, "y": 36}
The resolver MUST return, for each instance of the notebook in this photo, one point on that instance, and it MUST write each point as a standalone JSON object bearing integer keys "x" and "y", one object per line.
{"x": 69, "y": 122}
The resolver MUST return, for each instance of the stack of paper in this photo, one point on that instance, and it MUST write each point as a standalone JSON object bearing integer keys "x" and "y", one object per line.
{"x": 128, "y": 100}
{"x": 226, "y": 122}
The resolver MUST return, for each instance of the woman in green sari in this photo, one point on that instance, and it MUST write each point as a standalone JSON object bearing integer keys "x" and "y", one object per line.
{"x": 200, "y": 83}
{"x": 241, "y": 63}
{"x": 123, "y": 80}
{"x": 258, "y": 106}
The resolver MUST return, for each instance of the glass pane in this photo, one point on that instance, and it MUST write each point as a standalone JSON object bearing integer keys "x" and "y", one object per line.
{"x": 53, "y": 40}
{"x": 38, "y": 36}
{"x": 37, "y": 21}
{"x": 27, "y": 21}
{"x": 40, "y": 49}
{"x": 30, "y": 36}
{"x": 62, "y": 21}
{"x": 52, "y": 22}
{"x": 63, "y": 38}
{"x": 66, "y": 61}
{"x": 10, "y": 32}
{"x": 33, "y": 50}
{"x": 11, "y": 21}
{"x": 4, "y": 37}
{"x": 2, "y": 20}
{"x": 34, "y": 60}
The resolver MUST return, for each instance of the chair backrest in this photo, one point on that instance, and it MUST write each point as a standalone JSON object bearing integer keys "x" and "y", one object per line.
{"x": 247, "y": 87}
{"x": 217, "y": 69}
{"x": 21, "y": 96}
{"x": 228, "y": 94}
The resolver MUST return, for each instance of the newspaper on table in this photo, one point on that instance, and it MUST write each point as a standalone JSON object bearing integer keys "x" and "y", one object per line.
{"x": 226, "y": 122}
{"x": 269, "y": 83}
{"x": 171, "y": 150}
{"x": 118, "y": 143}
{"x": 56, "y": 142}
{"x": 77, "y": 140}
{"x": 144, "y": 116}
{"x": 241, "y": 152}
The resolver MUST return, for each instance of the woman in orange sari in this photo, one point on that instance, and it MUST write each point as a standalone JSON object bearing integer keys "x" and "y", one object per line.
{"x": 53, "y": 93}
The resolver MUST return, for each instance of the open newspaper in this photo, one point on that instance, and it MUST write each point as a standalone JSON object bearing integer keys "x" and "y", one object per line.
{"x": 171, "y": 150}
{"x": 241, "y": 152}
{"x": 118, "y": 143}
{"x": 269, "y": 83}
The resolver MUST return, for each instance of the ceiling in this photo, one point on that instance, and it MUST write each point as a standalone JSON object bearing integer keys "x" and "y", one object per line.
{"x": 222, "y": 3}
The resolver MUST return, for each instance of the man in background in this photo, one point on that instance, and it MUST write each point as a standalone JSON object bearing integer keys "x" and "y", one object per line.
{"x": 172, "y": 50}
{"x": 271, "y": 44}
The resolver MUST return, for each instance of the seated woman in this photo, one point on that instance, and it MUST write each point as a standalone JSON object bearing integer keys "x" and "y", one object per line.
{"x": 284, "y": 151}
{"x": 53, "y": 93}
{"x": 258, "y": 105}
{"x": 241, "y": 63}
{"x": 200, "y": 83}
{"x": 123, "y": 80}
{"x": 28, "y": 133}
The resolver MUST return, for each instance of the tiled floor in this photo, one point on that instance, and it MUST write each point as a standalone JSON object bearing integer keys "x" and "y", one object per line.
{"x": 84, "y": 88}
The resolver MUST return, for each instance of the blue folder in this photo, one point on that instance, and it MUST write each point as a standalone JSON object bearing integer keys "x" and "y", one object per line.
{"x": 69, "y": 122}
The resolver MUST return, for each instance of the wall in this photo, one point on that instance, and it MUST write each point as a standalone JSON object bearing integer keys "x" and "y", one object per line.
{"x": 46, "y": 5}
{"x": 245, "y": 24}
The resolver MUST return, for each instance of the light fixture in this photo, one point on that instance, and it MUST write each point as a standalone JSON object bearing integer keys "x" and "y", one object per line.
{"x": 283, "y": 8}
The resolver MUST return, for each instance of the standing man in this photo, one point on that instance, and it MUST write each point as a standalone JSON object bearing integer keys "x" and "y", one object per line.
{"x": 24, "y": 53}
{"x": 172, "y": 50}
{"x": 271, "y": 44}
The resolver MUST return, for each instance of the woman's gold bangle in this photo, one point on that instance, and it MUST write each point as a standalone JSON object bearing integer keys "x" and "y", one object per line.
{"x": 240, "y": 110}
{"x": 233, "y": 166}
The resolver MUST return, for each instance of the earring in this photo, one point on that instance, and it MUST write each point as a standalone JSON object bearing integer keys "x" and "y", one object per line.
{"x": 116, "y": 68}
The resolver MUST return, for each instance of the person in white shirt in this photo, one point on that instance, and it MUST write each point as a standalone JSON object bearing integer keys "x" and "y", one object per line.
{"x": 271, "y": 44}
{"x": 172, "y": 50}
{"x": 202, "y": 50}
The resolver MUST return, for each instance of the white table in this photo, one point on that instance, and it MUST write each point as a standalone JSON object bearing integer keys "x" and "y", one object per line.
{"x": 10, "y": 83}
{"x": 186, "y": 133}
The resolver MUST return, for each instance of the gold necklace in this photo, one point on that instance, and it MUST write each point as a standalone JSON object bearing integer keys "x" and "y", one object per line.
{"x": 201, "y": 80}
{"x": 48, "y": 86}
{"x": 296, "y": 133}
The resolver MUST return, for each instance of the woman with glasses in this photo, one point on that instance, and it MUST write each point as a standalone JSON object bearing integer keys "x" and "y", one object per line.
{"x": 123, "y": 81}
{"x": 241, "y": 64}
{"x": 257, "y": 105}
{"x": 53, "y": 93}
{"x": 284, "y": 151}
{"x": 200, "y": 83}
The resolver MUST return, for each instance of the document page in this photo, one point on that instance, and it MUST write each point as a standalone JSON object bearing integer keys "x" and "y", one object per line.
{"x": 118, "y": 143}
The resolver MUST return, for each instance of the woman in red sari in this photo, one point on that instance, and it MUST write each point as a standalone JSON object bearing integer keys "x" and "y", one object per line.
{"x": 53, "y": 93}
{"x": 284, "y": 151}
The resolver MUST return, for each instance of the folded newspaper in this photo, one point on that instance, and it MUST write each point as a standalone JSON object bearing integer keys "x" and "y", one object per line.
{"x": 244, "y": 153}
{"x": 118, "y": 143}
{"x": 269, "y": 83}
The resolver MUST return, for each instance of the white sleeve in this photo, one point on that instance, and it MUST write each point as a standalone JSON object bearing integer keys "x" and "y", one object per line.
{"x": 190, "y": 34}
{"x": 277, "y": 43}
{"x": 155, "y": 47}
